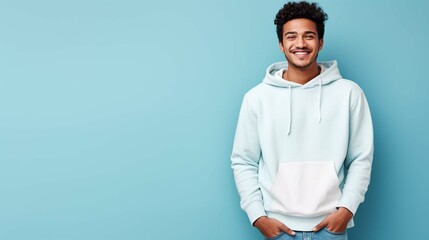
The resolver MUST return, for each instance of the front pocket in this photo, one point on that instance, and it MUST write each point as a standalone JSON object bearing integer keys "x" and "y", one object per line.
{"x": 305, "y": 189}
{"x": 334, "y": 233}
{"x": 276, "y": 236}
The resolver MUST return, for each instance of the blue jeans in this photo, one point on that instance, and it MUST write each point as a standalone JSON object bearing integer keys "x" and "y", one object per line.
{"x": 323, "y": 234}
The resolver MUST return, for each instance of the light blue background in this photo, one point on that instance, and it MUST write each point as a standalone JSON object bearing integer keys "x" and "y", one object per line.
{"x": 117, "y": 117}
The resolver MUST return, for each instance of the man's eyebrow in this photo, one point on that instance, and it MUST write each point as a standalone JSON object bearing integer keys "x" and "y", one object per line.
{"x": 306, "y": 32}
{"x": 290, "y": 33}
{"x": 309, "y": 32}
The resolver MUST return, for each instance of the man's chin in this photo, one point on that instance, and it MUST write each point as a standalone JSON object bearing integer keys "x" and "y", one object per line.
{"x": 301, "y": 66}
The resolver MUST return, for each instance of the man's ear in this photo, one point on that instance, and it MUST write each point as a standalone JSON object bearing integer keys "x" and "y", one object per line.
{"x": 320, "y": 44}
{"x": 281, "y": 46}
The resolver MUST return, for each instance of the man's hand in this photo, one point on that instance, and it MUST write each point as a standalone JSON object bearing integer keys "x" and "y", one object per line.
{"x": 270, "y": 227}
{"x": 336, "y": 221}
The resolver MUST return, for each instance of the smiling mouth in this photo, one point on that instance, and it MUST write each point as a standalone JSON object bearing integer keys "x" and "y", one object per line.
{"x": 301, "y": 53}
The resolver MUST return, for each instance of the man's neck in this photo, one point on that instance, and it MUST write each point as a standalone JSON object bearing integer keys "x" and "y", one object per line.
{"x": 301, "y": 76}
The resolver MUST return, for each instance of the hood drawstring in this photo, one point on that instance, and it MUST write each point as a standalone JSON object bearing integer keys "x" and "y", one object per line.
{"x": 290, "y": 110}
{"x": 320, "y": 100}
{"x": 319, "y": 120}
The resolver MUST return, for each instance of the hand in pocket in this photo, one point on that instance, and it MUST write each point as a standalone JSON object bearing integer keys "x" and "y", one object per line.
{"x": 270, "y": 227}
{"x": 336, "y": 222}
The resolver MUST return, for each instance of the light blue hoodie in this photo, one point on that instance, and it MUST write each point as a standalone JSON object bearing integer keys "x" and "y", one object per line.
{"x": 294, "y": 143}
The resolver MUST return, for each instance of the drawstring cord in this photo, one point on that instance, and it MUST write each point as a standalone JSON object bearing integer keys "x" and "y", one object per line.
{"x": 290, "y": 110}
{"x": 320, "y": 100}
{"x": 319, "y": 120}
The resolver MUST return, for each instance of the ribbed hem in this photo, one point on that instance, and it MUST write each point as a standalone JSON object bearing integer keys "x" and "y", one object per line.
{"x": 301, "y": 223}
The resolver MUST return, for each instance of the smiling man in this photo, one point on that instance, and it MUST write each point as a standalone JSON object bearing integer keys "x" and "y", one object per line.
{"x": 303, "y": 147}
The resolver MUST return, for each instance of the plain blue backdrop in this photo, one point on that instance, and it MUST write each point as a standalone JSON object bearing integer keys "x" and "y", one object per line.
{"x": 117, "y": 117}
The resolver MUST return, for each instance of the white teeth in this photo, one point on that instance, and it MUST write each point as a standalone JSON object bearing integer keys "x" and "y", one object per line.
{"x": 300, "y": 53}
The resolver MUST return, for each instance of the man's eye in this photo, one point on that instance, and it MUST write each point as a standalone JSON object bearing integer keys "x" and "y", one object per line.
{"x": 309, "y": 37}
{"x": 290, "y": 37}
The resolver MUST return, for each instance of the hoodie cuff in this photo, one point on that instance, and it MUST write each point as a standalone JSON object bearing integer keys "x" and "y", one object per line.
{"x": 255, "y": 210}
{"x": 349, "y": 202}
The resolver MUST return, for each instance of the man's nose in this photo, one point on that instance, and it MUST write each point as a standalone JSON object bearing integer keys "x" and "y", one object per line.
{"x": 300, "y": 42}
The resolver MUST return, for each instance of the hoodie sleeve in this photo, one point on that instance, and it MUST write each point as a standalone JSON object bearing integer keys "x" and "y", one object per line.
{"x": 359, "y": 155}
{"x": 245, "y": 161}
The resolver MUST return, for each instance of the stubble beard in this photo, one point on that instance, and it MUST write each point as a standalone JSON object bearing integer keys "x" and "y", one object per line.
{"x": 301, "y": 67}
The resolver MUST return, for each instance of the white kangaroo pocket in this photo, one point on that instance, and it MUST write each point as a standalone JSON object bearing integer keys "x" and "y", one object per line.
{"x": 305, "y": 189}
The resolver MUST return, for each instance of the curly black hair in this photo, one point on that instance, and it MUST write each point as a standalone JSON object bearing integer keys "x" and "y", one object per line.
{"x": 293, "y": 10}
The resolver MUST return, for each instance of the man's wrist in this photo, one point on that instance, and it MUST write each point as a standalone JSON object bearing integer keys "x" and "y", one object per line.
{"x": 344, "y": 209}
{"x": 255, "y": 223}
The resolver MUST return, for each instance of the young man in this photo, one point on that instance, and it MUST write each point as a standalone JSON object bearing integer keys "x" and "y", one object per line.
{"x": 299, "y": 132}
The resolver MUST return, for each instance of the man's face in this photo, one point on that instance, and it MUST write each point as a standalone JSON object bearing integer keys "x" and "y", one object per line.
{"x": 301, "y": 44}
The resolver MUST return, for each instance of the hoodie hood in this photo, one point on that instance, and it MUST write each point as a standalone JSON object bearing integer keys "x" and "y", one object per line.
{"x": 329, "y": 73}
